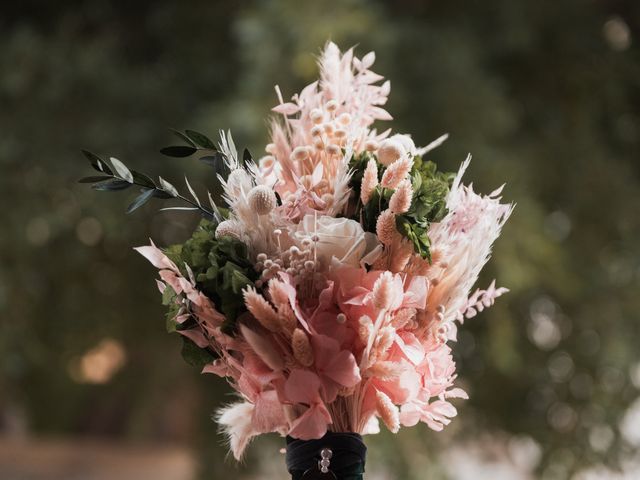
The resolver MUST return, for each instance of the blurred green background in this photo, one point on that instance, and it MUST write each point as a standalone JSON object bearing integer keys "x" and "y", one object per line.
{"x": 544, "y": 94}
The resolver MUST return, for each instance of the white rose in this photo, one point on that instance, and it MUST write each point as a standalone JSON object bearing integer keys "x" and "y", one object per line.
{"x": 406, "y": 141}
{"x": 339, "y": 238}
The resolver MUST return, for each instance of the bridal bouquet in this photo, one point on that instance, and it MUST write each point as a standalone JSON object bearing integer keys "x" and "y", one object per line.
{"x": 329, "y": 287}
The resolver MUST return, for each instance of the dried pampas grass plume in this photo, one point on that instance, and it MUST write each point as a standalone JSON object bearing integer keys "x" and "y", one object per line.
{"x": 236, "y": 423}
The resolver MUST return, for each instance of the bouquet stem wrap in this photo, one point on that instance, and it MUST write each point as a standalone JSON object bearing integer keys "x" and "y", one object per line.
{"x": 347, "y": 460}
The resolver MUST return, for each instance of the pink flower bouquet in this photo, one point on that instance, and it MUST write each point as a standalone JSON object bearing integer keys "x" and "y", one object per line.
{"x": 330, "y": 287}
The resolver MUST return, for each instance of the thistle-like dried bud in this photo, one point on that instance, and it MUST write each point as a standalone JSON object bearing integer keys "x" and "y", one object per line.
{"x": 386, "y": 227}
{"x": 390, "y": 151}
{"x": 302, "y": 348}
{"x": 261, "y": 199}
{"x": 369, "y": 181}
{"x": 401, "y": 199}
{"x": 229, "y": 228}
{"x": 388, "y": 412}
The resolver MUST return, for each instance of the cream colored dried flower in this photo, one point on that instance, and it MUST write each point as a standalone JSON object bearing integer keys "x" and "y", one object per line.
{"x": 389, "y": 151}
{"x": 262, "y": 199}
{"x": 229, "y": 228}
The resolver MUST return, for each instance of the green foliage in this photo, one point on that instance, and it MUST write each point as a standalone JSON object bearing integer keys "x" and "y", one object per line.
{"x": 428, "y": 205}
{"x": 221, "y": 269}
{"x": 194, "y": 355}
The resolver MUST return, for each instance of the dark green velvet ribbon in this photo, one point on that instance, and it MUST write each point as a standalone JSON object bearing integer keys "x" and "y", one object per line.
{"x": 346, "y": 463}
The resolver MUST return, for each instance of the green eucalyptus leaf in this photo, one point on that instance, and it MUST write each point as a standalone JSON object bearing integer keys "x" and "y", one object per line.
{"x": 179, "y": 151}
{"x": 140, "y": 200}
{"x": 246, "y": 156}
{"x": 167, "y": 187}
{"x": 97, "y": 163}
{"x": 157, "y": 193}
{"x": 111, "y": 185}
{"x": 142, "y": 179}
{"x": 183, "y": 137}
{"x": 122, "y": 170}
{"x": 194, "y": 355}
{"x": 200, "y": 139}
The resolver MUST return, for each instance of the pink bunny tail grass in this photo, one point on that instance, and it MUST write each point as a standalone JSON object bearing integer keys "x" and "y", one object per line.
{"x": 235, "y": 422}
{"x": 386, "y": 227}
{"x": 302, "y": 348}
{"x": 288, "y": 320}
{"x": 396, "y": 173}
{"x": 365, "y": 328}
{"x": 369, "y": 181}
{"x": 278, "y": 293}
{"x": 388, "y": 412}
{"x": 261, "y": 310}
{"x": 401, "y": 199}
{"x": 382, "y": 291}
{"x": 385, "y": 339}
{"x": 404, "y": 318}
{"x": 402, "y": 252}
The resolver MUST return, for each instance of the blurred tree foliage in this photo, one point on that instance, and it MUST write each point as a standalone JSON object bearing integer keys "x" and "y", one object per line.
{"x": 545, "y": 95}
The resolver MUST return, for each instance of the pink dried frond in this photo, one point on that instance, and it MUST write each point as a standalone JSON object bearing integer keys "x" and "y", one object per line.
{"x": 263, "y": 348}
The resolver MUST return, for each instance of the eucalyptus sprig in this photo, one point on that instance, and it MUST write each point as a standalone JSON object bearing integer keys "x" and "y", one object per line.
{"x": 119, "y": 177}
